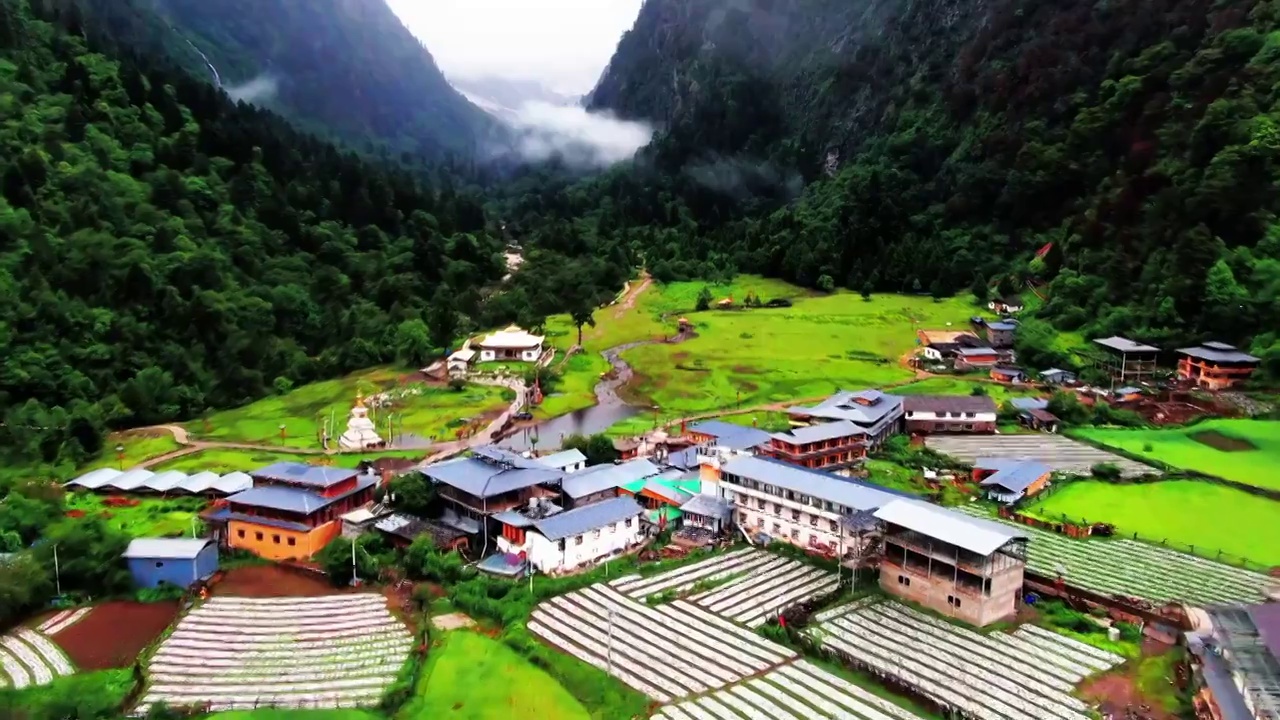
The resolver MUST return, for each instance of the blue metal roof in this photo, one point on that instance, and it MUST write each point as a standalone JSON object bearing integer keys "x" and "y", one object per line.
{"x": 602, "y": 477}
{"x": 587, "y": 517}
{"x": 225, "y": 514}
{"x": 715, "y": 428}
{"x": 820, "y": 432}
{"x": 1007, "y": 326}
{"x": 675, "y": 495}
{"x": 1214, "y": 354}
{"x": 708, "y": 506}
{"x": 303, "y": 474}
{"x": 845, "y": 405}
{"x": 299, "y": 500}
{"x": 493, "y": 471}
{"x": 685, "y": 459}
{"x": 1029, "y": 403}
{"x": 563, "y": 459}
{"x": 513, "y": 518}
{"x": 1018, "y": 476}
{"x": 853, "y": 494}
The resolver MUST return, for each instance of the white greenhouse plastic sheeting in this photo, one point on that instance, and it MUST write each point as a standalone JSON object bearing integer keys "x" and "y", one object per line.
{"x": 169, "y": 481}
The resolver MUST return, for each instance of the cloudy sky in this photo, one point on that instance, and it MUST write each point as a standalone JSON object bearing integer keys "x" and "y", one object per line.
{"x": 565, "y": 44}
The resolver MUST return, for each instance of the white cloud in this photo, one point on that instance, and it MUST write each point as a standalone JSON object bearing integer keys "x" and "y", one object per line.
{"x": 260, "y": 89}
{"x": 582, "y": 139}
{"x": 565, "y": 44}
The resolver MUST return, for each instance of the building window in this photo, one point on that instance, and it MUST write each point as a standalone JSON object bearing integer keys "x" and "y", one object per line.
{"x": 795, "y": 515}
{"x": 904, "y": 580}
{"x": 275, "y": 539}
{"x": 159, "y": 564}
{"x": 777, "y": 528}
{"x": 293, "y": 541}
{"x": 577, "y": 540}
{"x": 777, "y": 509}
{"x": 628, "y": 522}
{"x": 795, "y": 534}
{"x": 835, "y": 526}
{"x": 595, "y": 533}
{"x": 742, "y": 518}
{"x": 258, "y": 535}
{"x": 760, "y": 503}
{"x": 240, "y": 533}
{"x": 953, "y": 601}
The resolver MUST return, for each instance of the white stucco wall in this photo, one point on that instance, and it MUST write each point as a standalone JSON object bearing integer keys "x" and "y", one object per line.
{"x": 548, "y": 556}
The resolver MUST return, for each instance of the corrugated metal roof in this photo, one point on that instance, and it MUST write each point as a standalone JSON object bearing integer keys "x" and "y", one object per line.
{"x": 563, "y": 459}
{"x": 1215, "y": 345}
{"x": 745, "y": 439}
{"x": 1029, "y": 403}
{"x": 979, "y": 536}
{"x": 492, "y": 471}
{"x": 289, "y": 499}
{"x": 1216, "y": 355}
{"x": 1018, "y": 476}
{"x": 976, "y": 351}
{"x": 844, "y": 405}
{"x": 513, "y": 518}
{"x": 686, "y": 459}
{"x": 1267, "y": 619}
{"x": 715, "y": 428}
{"x": 820, "y": 432}
{"x": 303, "y": 474}
{"x": 95, "y": 479}
{"x": 668, "y": 492}
{"x": 948, "y": 404}
{"x": 165, "y": 481}
{"x": 232, "y": 483}
{"x": 166, "y": 548}
{"x": 602, "y": 477}
{"x": 707, "y": 506}
{"x": 587, "y": 518}
{"x": 1006, "y": 326}
{"x": 198, "y": 483}
{"x": 1121, "y": 344}
{"x": 131, "y": 479}
{"x": 998, "y": 463}
{"x": 823, "y": 486}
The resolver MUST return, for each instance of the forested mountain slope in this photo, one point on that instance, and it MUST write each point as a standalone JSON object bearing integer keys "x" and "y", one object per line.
{"x": 163, "y": 250}
{"x": 346, "y": 67}
{"x": 1134, "y": 141}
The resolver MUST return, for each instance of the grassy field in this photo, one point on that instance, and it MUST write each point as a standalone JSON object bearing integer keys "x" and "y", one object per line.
{"x": 1210, "y": 517}
{"x": 577, "y": 385}
{"x": 961, "y": 386}
{"x": 139, "y": 446}
{"x": 766, "y": 356}
{"x": 225, "y": 460}
{"x": 472, "y": 677}
{"x": 151, "y": 517}
{"x": 276, "y": 714}
{"x": 427, "y": 411}
{"x": 1180, "y": 448}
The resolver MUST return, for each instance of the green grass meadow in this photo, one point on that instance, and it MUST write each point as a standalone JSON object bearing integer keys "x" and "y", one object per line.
{"x": 1178, "y": 447}
{"x": 151, "y": 517}
{"x": 139, "y": 446}
{"x": 225, "y": 460}
{"x": 961, "y": 386}
{"x": 434, "y": 412}
{"x": 1209, "y": 516}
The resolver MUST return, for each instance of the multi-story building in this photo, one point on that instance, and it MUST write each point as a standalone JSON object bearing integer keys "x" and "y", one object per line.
{"x": 562, "y": 541}
{"x": 876, "y": 413}
{"x": 292, "y": 511}
{"x": 1215, "y": 365}
{"x": 1125, "y": 360}
{"x": 718, "y": 433}
{"x": 816, "y": 510}
{"x": 958, "y": 565}
{"x": 826, "y": 445}
{"x": 926, "y": 414}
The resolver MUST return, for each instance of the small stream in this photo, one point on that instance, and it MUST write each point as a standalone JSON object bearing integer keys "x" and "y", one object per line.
{"x": 608, "y": 410}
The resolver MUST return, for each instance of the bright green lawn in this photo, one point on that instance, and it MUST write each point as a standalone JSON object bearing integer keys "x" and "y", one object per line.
{"x": 960, "y": 386}
{"x": 772, "y": 355}
{"x": 1176, "y": 447}
{"x": 577, "y": 385}
{"x": 472, "y": 677}
{"x": 433, "y": 412}
{"x": 139, "y": 446}
{"x": 1209, "y": 516}
{"x": 225, "y": 460}
{"x": 151, "y": 517}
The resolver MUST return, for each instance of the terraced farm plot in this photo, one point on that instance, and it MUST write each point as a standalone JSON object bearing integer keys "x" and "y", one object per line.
{"x": 318, "y": 652}
{"x": 1060, "y": 453}
{"x": 28, "y": 658}
{"x": 756, "y": 585}
{"x": 667, "y": 652}
{"x": 797, "y": 691}
{"x": 1027, "y": 675}
{"x": 1133, "y": 569}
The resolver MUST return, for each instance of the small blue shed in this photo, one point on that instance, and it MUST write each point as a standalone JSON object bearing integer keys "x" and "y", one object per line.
{"x": 176, "y": 561}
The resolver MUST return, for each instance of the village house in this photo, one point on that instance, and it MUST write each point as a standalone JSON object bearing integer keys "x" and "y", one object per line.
{"x": 458, "y": 364}
{"x": 1215, "y": 365}
{"x": 1041, "y": 420}
{"x": 401, "y": 529}
{"x": 292, "y": 511}
{"x": 491, "y": 481}
{"x": 181, "y": 562}
{"x": 512, "y": 343}
{"x": 876, "y": 413}
{"x": 1129, "y": 393}
{"x": 942, "y": 345}
{"x": 601, "y": 482}
{"x": 1023, "y": 404}
{"x": 1010, "y": 480}
{"x": 1008, "y": 374}
{"x": 1000, "y": 334}
{"x": 976, "y": 358}
{"x": 809, "y": 508}
{"x": 926, "y": 414}
{"x": 566, "y": 461}
{"x": 1054, "y": 376}
{"x": 717, "y": 433}
{"x": 568, "y": 540}
{"x": 1006, "y": 305}
{"x": 825, "y": 445}
{"x": 952, "y": 563}
{"x": 1125, "y": 360}
{"x": 708, "y": 512}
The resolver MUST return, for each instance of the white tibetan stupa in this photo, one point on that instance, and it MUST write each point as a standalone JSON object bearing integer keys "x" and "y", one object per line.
{"x": 360, "y": 434}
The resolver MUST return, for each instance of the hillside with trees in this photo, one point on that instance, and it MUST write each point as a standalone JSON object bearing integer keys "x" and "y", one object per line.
{"x": 164, "y": 250}
{"x": 943, "y": 145}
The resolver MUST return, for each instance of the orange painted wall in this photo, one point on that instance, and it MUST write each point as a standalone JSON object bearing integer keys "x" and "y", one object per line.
{"x": 274, "y": 544}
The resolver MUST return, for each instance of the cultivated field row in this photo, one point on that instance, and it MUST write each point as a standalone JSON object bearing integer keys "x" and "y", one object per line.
{"x": 766, "y": 591}
{"x": 1060, "y": 453}
{"x": 63, "y": 620}
{"x": 1027, "y": 675}
{"x": 29, "y": 658}
{"x": 327, "y": 652}
{"x": 796, "y": 691}
{"x": 1135, "y": 569}
{"x": 708, "y": 571}
{"x": 666, "y": 652}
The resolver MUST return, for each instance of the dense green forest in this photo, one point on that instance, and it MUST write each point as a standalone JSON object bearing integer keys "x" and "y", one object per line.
{"x": 347, "y": 69}
{"x": 944, "y": 143}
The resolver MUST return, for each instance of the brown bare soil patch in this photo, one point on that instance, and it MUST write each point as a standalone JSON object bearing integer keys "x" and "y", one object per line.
{"x": 1225, "y": 443}
{"x": 274, "y": 581}
{"x": 114, "y": 633}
